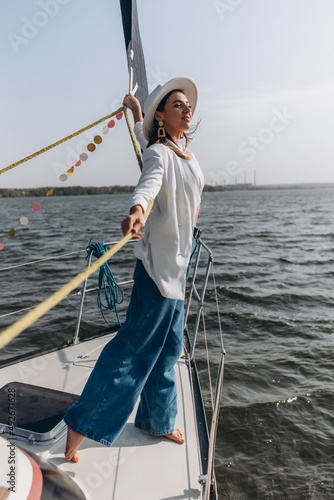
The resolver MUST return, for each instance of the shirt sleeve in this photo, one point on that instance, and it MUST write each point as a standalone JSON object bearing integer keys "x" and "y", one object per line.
{"x": 138, "y": 130}
{"x": 151, "y": 178}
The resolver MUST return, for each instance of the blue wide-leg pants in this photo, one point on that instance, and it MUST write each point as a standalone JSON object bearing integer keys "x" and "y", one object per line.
{"x": 138, "y": 361}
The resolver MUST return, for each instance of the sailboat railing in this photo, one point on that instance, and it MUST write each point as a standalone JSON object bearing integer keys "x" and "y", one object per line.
{"x": 197, "y": 294}
{"x": 82, "y": 299}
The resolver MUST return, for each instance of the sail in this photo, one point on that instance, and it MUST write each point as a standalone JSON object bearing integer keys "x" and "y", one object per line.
{"x": 135, "y": 54}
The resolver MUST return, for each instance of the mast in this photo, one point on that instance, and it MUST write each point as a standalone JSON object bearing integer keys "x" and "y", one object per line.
{"x": 136, "y": 61}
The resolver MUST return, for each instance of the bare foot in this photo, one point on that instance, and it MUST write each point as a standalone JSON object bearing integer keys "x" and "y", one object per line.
{"x": 72, "y": 445}
{"x": 176, "y": 436}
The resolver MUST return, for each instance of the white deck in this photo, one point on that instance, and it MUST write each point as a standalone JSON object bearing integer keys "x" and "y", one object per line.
{"x": 138, "y": 466}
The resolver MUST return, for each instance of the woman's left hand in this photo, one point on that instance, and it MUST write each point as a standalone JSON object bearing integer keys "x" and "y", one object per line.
{"x": 131, "y": 102}
{"x": 134, "y": 222}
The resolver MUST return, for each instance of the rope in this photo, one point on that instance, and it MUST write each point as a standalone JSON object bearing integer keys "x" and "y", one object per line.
{"x": 134, "y": 142}
{"x": 107, "y": 283}
{"x": 30, "y": 157}
{"x": 28, "y": 319}
{"x": 16, "y": 328}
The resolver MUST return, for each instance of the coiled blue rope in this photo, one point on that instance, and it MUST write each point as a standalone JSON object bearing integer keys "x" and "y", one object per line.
{"x": 113, "y": 293}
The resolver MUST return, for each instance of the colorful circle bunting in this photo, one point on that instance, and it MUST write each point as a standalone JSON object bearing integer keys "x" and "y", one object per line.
{"x": 63, "y": 177}
{"x": 24, "y": 220}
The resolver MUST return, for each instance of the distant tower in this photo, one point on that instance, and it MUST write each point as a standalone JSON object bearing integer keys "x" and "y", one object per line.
{"x": 254, "y": 177}
{"x": 245, "y": 177}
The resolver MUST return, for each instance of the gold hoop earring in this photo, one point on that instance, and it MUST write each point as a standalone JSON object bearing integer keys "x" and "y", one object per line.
{"x": 161, "y": 130}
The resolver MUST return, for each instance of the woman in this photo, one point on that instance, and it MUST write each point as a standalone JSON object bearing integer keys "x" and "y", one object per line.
{"x": 140, "y": 360}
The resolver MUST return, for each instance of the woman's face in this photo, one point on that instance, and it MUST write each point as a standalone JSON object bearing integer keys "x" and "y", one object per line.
{"x": 176, "y": 114}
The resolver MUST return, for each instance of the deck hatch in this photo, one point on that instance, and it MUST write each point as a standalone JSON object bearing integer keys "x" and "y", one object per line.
{"x": 33, "y": 412}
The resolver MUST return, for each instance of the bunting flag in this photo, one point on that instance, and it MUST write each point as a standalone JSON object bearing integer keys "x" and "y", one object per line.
{"x": 135, "y": 54}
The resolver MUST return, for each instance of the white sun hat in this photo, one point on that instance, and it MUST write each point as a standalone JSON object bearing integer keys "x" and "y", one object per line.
{"x": 184, "y": 83}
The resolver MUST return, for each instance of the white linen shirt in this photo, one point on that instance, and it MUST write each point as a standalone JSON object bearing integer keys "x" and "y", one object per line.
{"x": 175, "y": 185}
{"x": 138, "y": 130}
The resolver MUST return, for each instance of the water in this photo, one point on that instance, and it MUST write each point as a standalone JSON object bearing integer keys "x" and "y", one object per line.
{"x": 274, "y": 267}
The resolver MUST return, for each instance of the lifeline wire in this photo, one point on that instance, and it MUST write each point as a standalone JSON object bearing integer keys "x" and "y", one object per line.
{"x": 47, "y": 258}
{"x": 207, "y": 360}
{"x": 41, "y": 260}
{"x": 217, "y": 402}
{"x": 28, "y": 319}
{"x": 218, "y": 311}
{"x": 74, "y": 294}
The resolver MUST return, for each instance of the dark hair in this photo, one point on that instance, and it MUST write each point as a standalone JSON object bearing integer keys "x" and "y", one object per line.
{"x": 154, "y": 139}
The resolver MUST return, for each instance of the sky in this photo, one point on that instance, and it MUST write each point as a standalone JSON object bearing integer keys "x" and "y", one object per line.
{"x": 264, "y": 70}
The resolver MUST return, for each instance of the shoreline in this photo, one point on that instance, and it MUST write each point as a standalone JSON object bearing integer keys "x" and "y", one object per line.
{"x": 92, "y": 190}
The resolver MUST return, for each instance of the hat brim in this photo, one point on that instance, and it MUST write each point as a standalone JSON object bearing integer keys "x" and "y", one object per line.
{"x": 184, "y": 83}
